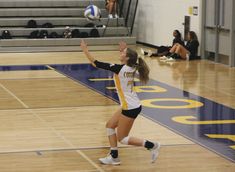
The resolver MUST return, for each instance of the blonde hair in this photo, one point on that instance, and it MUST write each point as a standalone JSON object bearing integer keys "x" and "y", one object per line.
{"x": 140, "y": 66}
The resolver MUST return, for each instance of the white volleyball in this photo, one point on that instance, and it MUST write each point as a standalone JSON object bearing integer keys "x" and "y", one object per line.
{"x": 92, "y": 12}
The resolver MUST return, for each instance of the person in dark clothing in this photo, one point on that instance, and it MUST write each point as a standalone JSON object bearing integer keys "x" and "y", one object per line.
{"x": 164, "y": 50}
{"x": 178, "y": 38}
{"x": 190, "y": 51}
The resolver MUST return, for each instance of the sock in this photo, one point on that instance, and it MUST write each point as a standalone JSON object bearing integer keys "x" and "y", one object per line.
{"x": 173, "y": 55}
{"x": 148, "y": 144}
{"x": 177, "y": 56}
{"x": 168, "y": 54}
{"x": 114, "y": 152}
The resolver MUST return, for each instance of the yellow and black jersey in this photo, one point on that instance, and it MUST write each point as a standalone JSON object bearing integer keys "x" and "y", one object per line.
{"x": 124, "y": 82}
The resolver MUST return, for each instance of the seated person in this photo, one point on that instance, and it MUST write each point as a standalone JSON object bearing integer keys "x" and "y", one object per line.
{"x": 163, "y": 50}
{"x": 189, "y": 52}
{"x": 111, "y": 6}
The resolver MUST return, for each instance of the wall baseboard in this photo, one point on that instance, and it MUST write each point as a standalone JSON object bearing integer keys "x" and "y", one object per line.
{"x": 147, "y": 44}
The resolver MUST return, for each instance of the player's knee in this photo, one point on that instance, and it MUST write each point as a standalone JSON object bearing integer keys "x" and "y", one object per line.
{"x": 124, "y": 140}
{"x": 110, "y": 124}
{"x": 110, "y": 131}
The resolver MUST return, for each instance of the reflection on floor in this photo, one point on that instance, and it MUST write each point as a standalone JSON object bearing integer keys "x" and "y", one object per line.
{"x": 199, "y": 119}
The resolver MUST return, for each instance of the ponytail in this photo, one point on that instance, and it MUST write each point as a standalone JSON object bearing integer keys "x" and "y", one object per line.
{"x": 143, "y": 70}
{"x": 140, "y": 66}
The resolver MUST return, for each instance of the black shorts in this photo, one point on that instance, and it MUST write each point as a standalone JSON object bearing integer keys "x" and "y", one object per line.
{"x": 132, "y": 113}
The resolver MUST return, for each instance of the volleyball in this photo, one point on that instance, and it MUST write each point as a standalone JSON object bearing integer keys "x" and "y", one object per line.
{"x": 92, "y": 12}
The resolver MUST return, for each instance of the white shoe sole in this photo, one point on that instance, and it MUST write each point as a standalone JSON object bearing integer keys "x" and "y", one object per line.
{"x": 155, "y": 153}
{"x": 163, "y": 58}
{"x": 142, "y": 51}
{"x": 170, "y": 60}
{"x": 150, "y": 54}
{"x": 113, "y": 163}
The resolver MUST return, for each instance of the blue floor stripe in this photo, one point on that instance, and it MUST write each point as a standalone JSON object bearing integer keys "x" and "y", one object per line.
{"x": 22, "y": 68}
{"x": 215, "y": 136}
{"x": 202, "y": 120}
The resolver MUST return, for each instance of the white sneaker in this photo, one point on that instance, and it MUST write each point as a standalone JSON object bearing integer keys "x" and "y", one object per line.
{"x": 155, "y": 151}
{"x": 150, "y": 53}
{"x": 142, "y": 51}
{"x": 116, "y": 16}
{"x": 110, "y": 16}
{"x": 109, "y": 160}
{"x": 170, "y": 59}
{"x": 187, "y": 57}
{"x": 163, "y": 58}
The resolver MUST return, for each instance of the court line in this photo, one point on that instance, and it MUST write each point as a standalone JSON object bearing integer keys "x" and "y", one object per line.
{"x": 13, "y": 95}
{"x": 68, "y": 142}
{"x": 168, "y": 127}
{"x": 190, "y": 139}
{"x": 53, "y": 130}
{"x": 21, "y": 79}
{"x": 86, "y": 148}
{"x": 86, "y": 171}
{"x": 49, "y": 67}
{"x": 87, "y": 86}
{"x": 97, "y": 91}
{"x": 64, "y": 107}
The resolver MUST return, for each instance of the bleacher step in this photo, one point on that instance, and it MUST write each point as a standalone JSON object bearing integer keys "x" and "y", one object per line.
{"x": 58, "y": 21}
{"x": 15, "y": 15}
{"x": 65, "y": 42}
{"x": 50, "y": 3}
{"x": 25, "y": 32}
{"x": 45, "y": 12}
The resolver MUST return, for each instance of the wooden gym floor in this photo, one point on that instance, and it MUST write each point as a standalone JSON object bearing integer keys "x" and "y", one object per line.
{"x": 50, "y": 123}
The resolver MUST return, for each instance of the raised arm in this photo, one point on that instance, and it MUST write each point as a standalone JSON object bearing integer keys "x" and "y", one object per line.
{"x": 87, "y": 53}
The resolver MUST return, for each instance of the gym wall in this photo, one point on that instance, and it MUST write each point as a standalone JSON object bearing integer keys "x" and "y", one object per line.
{"x": 156, "y": 20}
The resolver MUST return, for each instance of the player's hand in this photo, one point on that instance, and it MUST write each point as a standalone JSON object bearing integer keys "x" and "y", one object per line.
{"x": 83, "y": 46}
{"x": 122, "y": 46}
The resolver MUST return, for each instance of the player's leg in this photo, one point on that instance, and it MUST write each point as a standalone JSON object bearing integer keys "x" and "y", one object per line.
{"x": 173, "y": 49}
{"x": 111, "y": 7}
{"x": 115, "y": 9}
{"x": 111, "y": 125}
{"x": 149, "y": 53}
{"x": 124, "y": 126}
{"x": 182, "y": 52}
{"x": 178, "y": 52}
{"x": 107, "y": 5}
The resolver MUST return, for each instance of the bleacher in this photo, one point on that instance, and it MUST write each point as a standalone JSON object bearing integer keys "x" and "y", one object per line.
{"x": 15, "y": 14}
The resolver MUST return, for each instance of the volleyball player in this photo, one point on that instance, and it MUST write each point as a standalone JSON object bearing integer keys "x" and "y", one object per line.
{"x": 120, "y": 124}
